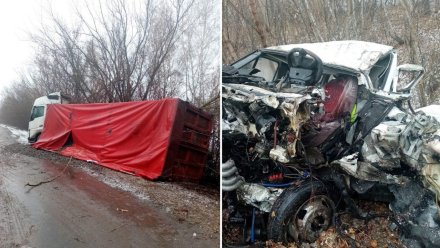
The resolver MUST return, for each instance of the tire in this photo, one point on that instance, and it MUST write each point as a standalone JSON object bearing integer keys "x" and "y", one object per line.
{"x": 37, "y": 137}
{"x": 301, "y": 213}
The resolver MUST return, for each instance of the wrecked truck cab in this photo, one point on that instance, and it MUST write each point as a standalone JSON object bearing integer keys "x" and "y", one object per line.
{"x": 374, "y": 65}
{"x": 307, "y": 127}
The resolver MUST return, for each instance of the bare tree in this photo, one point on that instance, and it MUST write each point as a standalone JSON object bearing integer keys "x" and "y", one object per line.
{"x": 199, "y": 61}
{"x": 117, "y": 52}
{"x": 16, "y": 103}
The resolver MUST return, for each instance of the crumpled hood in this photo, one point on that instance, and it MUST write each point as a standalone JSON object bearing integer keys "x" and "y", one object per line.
{"x": 248, "y": 93}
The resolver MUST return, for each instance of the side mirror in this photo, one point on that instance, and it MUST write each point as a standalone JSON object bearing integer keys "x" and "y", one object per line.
{"x": 32, "y": 114}
{"x": 418, "y": 72}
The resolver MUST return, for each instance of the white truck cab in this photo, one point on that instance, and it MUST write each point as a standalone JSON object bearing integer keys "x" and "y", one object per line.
{"x": 38, "y": 113}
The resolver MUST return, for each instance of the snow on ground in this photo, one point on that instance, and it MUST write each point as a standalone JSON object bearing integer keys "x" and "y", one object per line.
{"x": 117, "y": 183}
{"x": 432, "y": 110}
{"x": 20, "y": 135}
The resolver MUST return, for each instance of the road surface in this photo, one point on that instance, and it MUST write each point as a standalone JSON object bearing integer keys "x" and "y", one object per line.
{"x": 78, "y": 210}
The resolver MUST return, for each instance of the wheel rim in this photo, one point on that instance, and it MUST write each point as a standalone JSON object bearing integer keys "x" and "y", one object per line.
{"x": 314, "y": 216}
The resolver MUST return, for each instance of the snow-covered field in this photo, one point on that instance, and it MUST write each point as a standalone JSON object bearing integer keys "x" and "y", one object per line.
{"x": 432, "y": 110}
{"x": 18, "y": 134}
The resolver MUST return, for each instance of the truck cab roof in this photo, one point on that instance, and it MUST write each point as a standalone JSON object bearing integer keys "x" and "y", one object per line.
{"x": 51, "y": 98}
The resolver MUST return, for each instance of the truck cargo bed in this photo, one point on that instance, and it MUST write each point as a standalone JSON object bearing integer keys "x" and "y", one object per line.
{"x": 166, "y": 139}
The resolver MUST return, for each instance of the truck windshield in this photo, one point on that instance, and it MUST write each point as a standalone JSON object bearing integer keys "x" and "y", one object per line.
{"x": 37, "y": 111}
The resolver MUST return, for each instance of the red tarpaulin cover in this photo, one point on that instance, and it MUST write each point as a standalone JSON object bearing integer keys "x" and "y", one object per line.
{"x": 130, "y": 136}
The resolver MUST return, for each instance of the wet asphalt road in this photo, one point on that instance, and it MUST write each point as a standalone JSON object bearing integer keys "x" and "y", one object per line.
{"x": 77, "y": 210}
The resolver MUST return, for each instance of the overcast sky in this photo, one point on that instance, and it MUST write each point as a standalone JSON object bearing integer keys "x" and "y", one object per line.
{"x": 18, "y": 17}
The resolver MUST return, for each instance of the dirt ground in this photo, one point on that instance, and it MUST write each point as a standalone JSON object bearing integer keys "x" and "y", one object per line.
{"x": 380, "y": 232}
{"x": 375, "y": 233}
{"x": 92, "y": 206}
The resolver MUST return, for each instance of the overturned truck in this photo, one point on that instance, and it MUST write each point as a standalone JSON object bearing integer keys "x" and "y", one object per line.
{"x": 166, "y": 139}
{"x": 307, "y": 128}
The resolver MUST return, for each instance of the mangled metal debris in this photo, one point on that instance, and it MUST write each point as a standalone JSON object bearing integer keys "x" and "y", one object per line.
{"x": 308, "y": 126}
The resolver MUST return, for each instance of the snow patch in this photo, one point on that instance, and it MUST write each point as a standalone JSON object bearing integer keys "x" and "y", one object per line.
{"x": 116, "y": 183}
{"x": 20, "y": 135}
{"x": 432, "y": 110}
{"x": 125, "y": 187}
{"x": 137, "y": 191}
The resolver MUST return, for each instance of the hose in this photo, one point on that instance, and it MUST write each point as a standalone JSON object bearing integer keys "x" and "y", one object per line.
{"x": 277, "y": 185}
{"x": 229, "y": 172}
{"x": 231, "y": 180}
{"x": 253, "y": 226}
{"x": 228, "y": 165}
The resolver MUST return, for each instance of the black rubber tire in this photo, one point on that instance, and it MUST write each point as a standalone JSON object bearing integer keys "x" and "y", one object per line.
{"x": 31, "y": 141}
{"x": 289, "y": 202}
